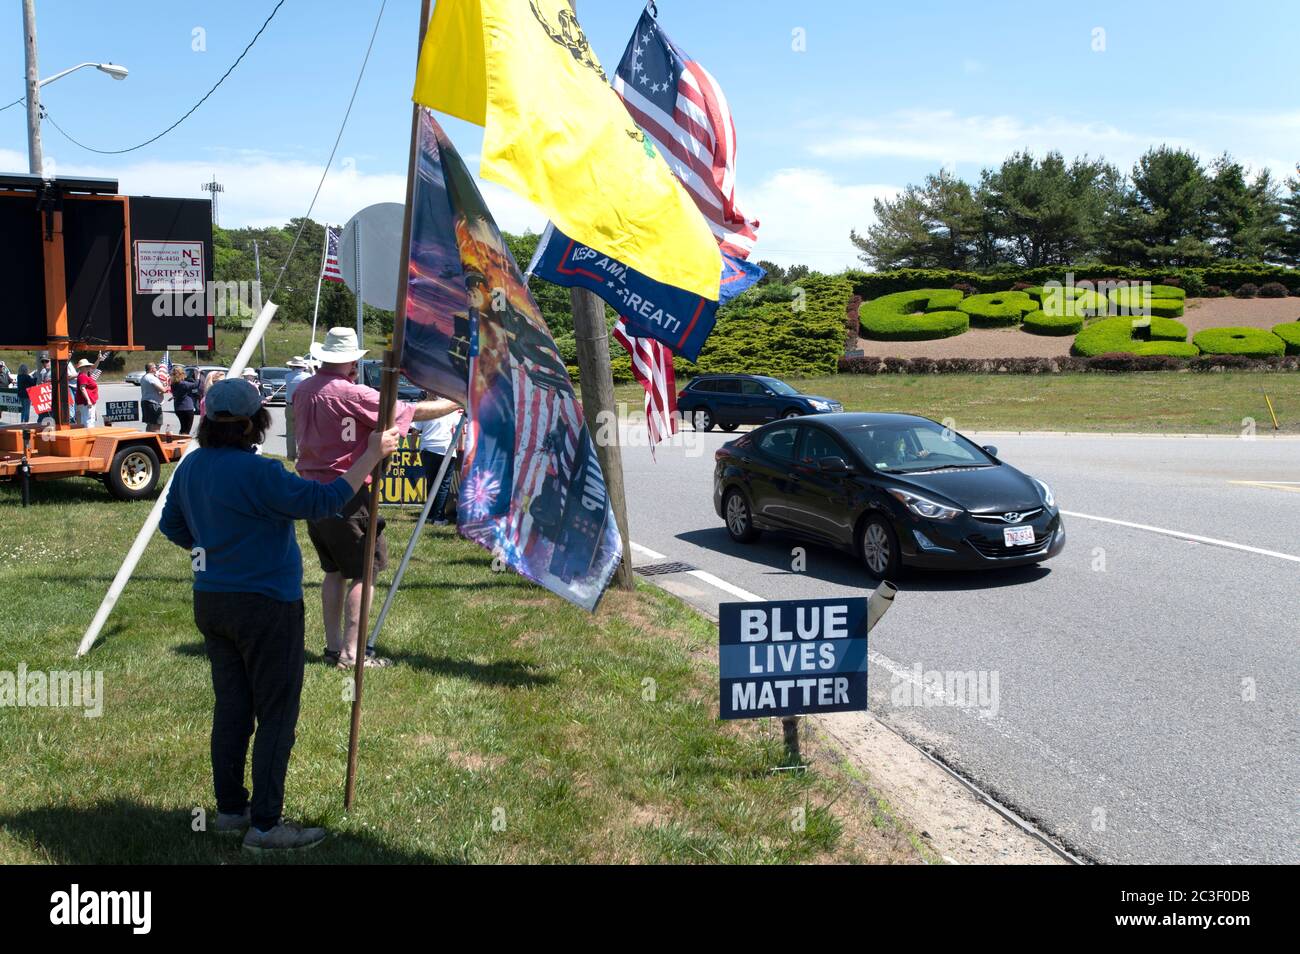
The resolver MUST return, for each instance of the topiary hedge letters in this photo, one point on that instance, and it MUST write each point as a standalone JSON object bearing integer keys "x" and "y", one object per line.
{"x": 921, "y": 315}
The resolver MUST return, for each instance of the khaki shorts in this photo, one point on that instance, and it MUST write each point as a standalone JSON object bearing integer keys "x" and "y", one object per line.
{"x": 340, "y": 540}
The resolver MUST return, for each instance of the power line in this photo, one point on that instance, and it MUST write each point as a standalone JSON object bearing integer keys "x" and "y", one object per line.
{"x": 20, "y": 99}
{"x": 190, "y": 112}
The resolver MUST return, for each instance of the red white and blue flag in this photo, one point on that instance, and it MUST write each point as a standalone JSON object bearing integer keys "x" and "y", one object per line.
{"x": 330, "y": 269}
{"x": 682, "y": 109}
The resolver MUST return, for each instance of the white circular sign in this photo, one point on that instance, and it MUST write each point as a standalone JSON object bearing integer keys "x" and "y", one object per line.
{"x": 377, "y": 229}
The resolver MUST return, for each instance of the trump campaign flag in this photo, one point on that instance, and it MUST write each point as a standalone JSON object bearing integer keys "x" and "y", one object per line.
{"x": 556, "y": 133}
{"x": 531, "y": 488}
{"x": 649, "y": 309}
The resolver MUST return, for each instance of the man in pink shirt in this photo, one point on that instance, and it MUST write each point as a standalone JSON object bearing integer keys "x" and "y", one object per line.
{"x": 333, "y": 419}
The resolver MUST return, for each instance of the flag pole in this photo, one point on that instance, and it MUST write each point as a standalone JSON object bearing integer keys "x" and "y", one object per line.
{"x": 320, "y": 276}
{"x": 387, "y": 409}
{"x": 597, "y": 383}
{"x": 431, "y": 496}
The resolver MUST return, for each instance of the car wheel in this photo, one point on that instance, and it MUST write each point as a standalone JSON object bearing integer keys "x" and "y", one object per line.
{"x": 730, "y": 427}
{"x": 702, "y": 419}
{"x": 740, "y": 520}
{"x": 792, "y": 412}
{"x": 133, "y": 474}
{"x": 878, "y": 547}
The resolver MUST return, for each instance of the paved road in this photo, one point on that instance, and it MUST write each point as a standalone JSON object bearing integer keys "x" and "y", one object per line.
{"x": 1147, "y": 684}
{"x": 1123, "y": 721}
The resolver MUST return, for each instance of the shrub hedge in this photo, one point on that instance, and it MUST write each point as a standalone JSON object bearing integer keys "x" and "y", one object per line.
{"x": 1042, "y": 323}
{"x": 997, "y": 309}
{"x": 1250, "y": 342}
{"x": 1193, "y": 281}
{"x": 1161, "y": 303}
{"x": 1115, "y": 335}
{"x": 895, "y": 317}
{"x": 1289, "y": 332}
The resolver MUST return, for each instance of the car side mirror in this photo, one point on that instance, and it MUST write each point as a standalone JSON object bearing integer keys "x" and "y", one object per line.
{"x": 992, "y": 450}
{"x": 833, "y": 465}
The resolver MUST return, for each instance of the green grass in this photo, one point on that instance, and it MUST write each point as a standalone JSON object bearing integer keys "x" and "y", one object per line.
{"x": 1150, "y": 402}
{"x": 506, "y": 704}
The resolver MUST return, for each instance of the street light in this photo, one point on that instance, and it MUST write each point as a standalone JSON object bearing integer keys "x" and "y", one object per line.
{"x": 112, "y": 69}
{"x": 34, "y": 154}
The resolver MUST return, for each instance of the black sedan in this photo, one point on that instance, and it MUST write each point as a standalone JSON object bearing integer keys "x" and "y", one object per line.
{"x": 893, "y": 489}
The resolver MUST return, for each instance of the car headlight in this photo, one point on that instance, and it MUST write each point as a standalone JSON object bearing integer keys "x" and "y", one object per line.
{"x": 821, "y": 405}
{"x": 1047, "y": 492}
{"x": 923, "y": 507}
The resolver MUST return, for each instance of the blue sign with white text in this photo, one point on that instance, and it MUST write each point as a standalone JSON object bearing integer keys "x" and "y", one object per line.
{"x": 792, "y": 657}
{"x": 679, "y": 319}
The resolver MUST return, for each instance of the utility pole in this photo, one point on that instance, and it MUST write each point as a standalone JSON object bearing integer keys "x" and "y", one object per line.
{"x": 214, "y": 187}
{"x": 35, "y": 159}
{"x": 597, "y": 383}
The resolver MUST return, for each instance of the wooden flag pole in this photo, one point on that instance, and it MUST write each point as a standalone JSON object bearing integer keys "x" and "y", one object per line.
{"x": 387, "y": 409}
{"x": 591, "y": 335}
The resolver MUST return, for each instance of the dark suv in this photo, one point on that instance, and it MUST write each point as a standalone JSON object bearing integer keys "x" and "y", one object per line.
{"x": 729, "y": 400}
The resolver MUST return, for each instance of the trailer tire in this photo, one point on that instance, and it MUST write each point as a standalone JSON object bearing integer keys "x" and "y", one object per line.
{"x": 133, "y": 474}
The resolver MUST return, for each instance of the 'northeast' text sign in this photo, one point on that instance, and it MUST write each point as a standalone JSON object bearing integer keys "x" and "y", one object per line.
{"x": 792, "y": 657}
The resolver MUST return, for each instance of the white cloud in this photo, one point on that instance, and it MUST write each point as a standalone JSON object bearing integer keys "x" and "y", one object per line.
{"x": 805, "y": 216}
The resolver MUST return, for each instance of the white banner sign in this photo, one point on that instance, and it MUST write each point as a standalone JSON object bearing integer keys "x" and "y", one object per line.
{"x": 168, "y": 267}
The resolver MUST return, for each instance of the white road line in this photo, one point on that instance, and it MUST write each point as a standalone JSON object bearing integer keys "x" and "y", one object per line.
{"x": 726, "y": 587}
{"x": 1187, "y": 536}
{"x": 646, "y": 551}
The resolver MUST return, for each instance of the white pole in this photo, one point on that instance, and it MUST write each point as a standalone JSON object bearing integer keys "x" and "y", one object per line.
{"x": 356, "y": 273}
{"x": 880, "y": 602}
{"x": 320, "y": 275}
{"x": 151, "y": 522}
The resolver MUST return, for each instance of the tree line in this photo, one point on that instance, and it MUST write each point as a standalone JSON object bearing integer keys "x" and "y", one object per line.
{"x": 1170, "y": 210}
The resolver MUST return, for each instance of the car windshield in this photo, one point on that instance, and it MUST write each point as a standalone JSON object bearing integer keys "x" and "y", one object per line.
{"x": 908, "y": 447}
{"x": 780, "y": 387}
{"x": 276, "y": 374}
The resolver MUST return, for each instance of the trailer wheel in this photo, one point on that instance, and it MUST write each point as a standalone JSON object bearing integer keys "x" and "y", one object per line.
{"x": 133, "y": 475}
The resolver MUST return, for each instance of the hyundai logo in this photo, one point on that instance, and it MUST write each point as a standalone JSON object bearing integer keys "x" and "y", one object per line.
{"x": 1012, "y": 517}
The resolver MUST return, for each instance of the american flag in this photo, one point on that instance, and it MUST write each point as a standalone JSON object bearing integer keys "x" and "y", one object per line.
{"x": 330, "y": 269}
{"x": 682, "y": 110}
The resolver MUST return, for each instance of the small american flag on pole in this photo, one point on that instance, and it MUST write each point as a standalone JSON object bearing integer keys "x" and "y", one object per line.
{"x": 330, "y": 269}
{"x": 682, "y": 110}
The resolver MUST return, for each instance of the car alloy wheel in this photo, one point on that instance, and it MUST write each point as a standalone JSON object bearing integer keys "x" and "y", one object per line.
{"x": 789, "y": 414}
{"x": 703, "y": 420}
{"x": 740, "y": 523}
{"x": 879, "y": 549}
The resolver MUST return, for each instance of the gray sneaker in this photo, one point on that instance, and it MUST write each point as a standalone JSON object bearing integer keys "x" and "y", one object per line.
{"x": 286, "y": 836}
{"x": 232, "y": 824}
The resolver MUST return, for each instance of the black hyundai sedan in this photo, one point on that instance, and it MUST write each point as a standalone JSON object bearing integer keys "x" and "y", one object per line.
{"x": 894, "y": 489}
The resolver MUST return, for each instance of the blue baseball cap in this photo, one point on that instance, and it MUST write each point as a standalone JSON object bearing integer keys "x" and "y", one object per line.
{"x": 231, "y": 399}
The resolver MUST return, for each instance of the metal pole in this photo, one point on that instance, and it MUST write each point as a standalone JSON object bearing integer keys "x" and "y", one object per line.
{"x": 597, "y": 384}
{"x": 415, "y": 534}
{"x": 257, "y": 293}
{"x": 35, "y": 158}
{"x": 320, "y": 277}
{"x": 387, "y": 409}
{"x": 790, "y": 727}
{"x": 356, "y": 275}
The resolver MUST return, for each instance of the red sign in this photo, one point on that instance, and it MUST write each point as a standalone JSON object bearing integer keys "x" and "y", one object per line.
{"x": 41, "y": 396}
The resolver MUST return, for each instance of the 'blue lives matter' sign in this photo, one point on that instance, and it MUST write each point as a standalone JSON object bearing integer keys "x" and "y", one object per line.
{"x": 792, "y": 657}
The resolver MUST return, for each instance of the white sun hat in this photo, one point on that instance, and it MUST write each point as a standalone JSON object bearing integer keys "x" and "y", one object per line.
{"x": 339, "y": 347}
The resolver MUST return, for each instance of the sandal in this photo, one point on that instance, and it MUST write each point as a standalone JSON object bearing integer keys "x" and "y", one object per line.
{"x": 372, "y": 662}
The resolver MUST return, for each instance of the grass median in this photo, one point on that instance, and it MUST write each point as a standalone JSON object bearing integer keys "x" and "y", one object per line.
{"x": 1137, "y": 402}
{"x": 514, "y": 728}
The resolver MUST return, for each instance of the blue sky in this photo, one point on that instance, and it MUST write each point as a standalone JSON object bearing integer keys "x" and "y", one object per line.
{"x": 880, "y": 95}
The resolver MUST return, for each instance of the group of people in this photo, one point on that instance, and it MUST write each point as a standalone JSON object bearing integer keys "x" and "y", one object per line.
{"x": 236, "y": 510}
{"x": 24, "y": 379}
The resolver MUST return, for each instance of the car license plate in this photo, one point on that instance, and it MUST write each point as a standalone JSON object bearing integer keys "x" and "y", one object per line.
{"x": 1018, "y": 536}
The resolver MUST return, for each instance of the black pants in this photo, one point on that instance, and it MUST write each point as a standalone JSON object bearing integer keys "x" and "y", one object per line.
{"x": 432, "y": 461}
{"x": 187, "y": 421}
{"x": 255, "y": 645}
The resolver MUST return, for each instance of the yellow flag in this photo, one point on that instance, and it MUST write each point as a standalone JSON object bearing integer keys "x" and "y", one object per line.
{"x": 555, "y": 132}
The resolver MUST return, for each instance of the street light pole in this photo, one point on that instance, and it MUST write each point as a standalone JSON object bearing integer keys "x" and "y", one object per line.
{"x": 35, "y": 159}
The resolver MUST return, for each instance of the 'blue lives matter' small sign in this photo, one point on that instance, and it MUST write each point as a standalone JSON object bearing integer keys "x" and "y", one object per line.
{"x": 792, "y": 657}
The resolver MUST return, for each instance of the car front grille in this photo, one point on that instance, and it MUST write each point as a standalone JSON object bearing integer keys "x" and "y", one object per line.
{"x": 998, "y": 550}
{"x": 1002, "y": 517}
